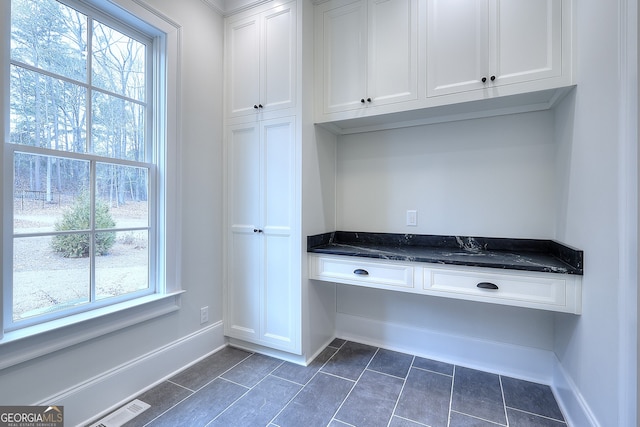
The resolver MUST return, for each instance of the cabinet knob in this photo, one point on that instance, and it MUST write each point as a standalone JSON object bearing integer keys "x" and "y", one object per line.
{"x": 260, "y": 106}
{"x": 493, "y": 78}
{"x": 257, "y": 230}
{"x": 487, "y": 285}
{"x": 255, "y": 106}
{"x": 362, "y": 100}
{"x": 484, "y": 80}
{"x": 360, "y": 272}
{"x": 368, "y": 99}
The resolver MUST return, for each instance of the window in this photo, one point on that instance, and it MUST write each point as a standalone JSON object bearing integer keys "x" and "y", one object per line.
{"x": 87, "y": 169}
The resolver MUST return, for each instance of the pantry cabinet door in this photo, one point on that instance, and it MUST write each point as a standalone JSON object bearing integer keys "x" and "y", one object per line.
{"x": 457, "y": 45}
{"x": 279, "y": 293}
{"x": 244, "y": 269}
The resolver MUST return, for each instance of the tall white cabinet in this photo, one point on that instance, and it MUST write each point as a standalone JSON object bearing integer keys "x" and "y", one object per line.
{"x": 263, "y": 292}
{"x": 263, "y": 180}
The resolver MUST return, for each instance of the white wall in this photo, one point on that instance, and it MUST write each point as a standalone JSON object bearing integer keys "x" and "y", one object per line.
{"x": 40, "y": 379}
{"x": 598, "y": 163}
{"x": 486, "y": 177}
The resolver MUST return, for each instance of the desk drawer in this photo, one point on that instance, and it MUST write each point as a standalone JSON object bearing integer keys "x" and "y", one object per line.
{"x": 354, "y": 271}
{"x": 513, "y": 289}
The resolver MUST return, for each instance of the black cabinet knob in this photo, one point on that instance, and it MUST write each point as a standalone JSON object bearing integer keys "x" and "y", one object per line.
{"x": 360, "y": 272}
{"x": 493, "y": 78}
{"x": 368, "y": 99}
{"x": 484, "y": 80}
{"x": 257, "y": 230}
{"x": 255, "y": 106}
{"x": 260, "y": 106}
{"x": 362, "y": 100}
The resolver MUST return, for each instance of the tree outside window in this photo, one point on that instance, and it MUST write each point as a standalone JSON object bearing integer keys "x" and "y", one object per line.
{"x": 83, "y": 162}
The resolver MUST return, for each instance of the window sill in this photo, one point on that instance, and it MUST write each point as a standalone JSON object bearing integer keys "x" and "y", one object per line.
{"x": 35, "y": 341}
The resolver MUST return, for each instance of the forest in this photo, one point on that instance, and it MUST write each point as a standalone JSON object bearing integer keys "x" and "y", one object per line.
{"x": 76, "y": 88}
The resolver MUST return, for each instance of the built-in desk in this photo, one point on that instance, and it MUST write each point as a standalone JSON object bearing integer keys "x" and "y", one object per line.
{"x": 540, "y": 274}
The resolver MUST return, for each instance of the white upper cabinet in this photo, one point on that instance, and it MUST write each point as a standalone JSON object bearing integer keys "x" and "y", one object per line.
{"x": 261, "y": 61}
{"x": 487, "y": 44}
{"x": 366, "y": 53}
{"x": 391, "y": 63}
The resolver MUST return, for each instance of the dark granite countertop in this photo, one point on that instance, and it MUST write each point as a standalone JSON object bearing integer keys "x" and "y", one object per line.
{"x": 515, "y": 254}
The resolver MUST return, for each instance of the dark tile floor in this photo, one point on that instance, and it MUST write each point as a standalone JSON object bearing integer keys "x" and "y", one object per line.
{"x": 349, "y": 384}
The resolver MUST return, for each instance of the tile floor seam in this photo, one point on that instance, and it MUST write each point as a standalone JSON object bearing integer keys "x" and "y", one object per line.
{"x": 230, "y": 404}
{"x": 453, "y": 381}
{"x": 434, "y": 372}
{"x": 479, "y": 418}
{"x": 385, "y": 374}
{"x": 272, "y": 421}
{"x": 504, "y": 401}
{"x": 232, "y": 382}
{"x": 404, "y": 382}
{"x": 181, "y": 386}
{"x": 412, "y": 421}
{"x": 245, "y": 393}
{"x": 537, "y": 415}
{"x": 168, "y": 409}
{"x": 353, "y": 386}
{"x": 224, "y": 372}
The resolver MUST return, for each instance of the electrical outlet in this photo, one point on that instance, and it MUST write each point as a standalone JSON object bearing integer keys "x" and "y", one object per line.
{"x": 204, "y": 315}
{"x": 412, "y": 217}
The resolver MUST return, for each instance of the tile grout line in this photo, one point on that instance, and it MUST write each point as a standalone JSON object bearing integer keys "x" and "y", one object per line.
{"x": 404, "y": 382}
{"x": 538, "y": 415}
{"x": 504, "y": 402}
{"x": 245, "y": 393}
{"x": 272, "y": 421}
{"x": 353, "y": 386}
{"x": 192, "y": 392}
{"x": 478, "y": 418}
{"x": 453, "y": 381}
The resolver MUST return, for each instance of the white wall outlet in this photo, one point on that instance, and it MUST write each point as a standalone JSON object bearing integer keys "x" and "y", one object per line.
{"x": 204, "y": 315}
{"x": 412, "y": 217}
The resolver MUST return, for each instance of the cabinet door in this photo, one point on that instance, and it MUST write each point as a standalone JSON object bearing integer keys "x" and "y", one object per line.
{"x": 263, "y": 302}
{"x": 280, "y": 296}
{"x": 243, "y": 65}
{"x": 528, "y": 40}
{"x": 393, "y": 51}
{"x": 457, "y": 45}
{"x": 278, "y": 58}
{"x": 343, "y": 42}
{"x": 244, "y": 268}
{"x": 261, "y": 61}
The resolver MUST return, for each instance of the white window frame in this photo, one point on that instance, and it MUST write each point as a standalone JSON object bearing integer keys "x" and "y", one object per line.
{"x": 26, "y": 343}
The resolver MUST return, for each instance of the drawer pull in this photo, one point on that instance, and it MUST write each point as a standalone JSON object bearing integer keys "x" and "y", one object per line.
{"x": 360, "y": 272}
{"x": 487, "y": 285}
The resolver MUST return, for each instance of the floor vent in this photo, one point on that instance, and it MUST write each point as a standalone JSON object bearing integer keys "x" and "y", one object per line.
{"x": 124, "y": 414}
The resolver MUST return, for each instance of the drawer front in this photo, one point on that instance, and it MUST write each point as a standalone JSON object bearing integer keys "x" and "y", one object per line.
{"x": 357, "y": 272}
{"x": 535, "y": 292}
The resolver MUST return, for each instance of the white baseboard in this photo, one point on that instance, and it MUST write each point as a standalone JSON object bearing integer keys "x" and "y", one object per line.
{"x": 121, "y": 384}
{"x": 527, "y": 363}
{"x": 572, "y": 404}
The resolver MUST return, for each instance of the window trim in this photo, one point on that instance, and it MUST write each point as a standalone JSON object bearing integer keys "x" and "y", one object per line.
{"x": 37, "y": 340}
